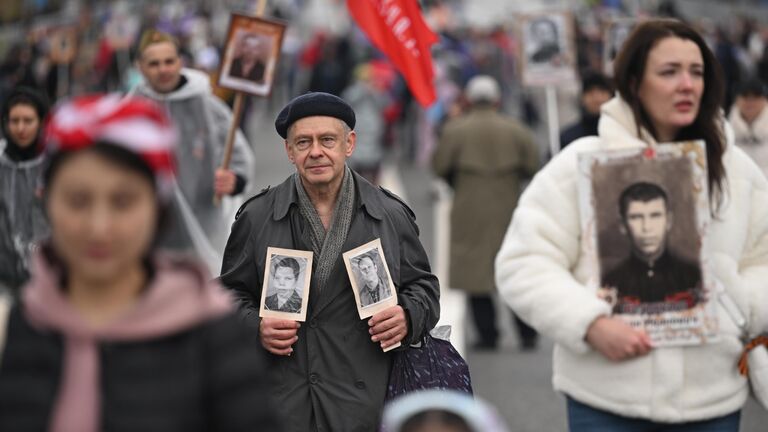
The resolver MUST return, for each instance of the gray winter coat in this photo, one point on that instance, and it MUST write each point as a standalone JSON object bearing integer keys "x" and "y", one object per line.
{"x": 336, "y": 378}
{"x": 22, "y": 218}
{"x": 203, "y": 122}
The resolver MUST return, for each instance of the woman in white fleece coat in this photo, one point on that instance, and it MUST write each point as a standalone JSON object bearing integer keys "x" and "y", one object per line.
{"x": 670, "y": 88}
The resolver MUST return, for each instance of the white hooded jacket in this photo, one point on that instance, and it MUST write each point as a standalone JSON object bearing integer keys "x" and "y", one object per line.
{"x": 541, "y": 273}
{"x": 203, "y": 122}
{"x": 752, "y": 138}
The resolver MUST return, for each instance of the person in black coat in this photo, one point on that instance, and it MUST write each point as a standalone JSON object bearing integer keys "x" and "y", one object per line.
{"x": 330, "y": 373}
{"x": 596, "y": 89}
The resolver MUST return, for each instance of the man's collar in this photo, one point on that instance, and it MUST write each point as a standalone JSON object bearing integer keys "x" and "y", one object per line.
{"x": 367, "y": 197}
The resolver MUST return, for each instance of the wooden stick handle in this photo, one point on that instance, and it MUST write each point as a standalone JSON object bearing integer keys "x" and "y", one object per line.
{"x": 237, "y": 114}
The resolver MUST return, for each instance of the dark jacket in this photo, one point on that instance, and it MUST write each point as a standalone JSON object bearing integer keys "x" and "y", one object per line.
{"x": 256, "y": 74}
{"x": 586, "y": 126}
{"x": 293, "y": 304}
{"x": 639, "y": 281}
{"x": 336, "y": 378}
{"x": 202, "y": 379}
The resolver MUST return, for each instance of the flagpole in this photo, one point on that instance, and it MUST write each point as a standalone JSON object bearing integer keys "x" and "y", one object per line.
{"x": 553, "y": 122}
{"x": 237, "y": 114}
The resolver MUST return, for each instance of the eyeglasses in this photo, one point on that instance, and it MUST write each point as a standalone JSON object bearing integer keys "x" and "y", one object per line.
{"x": 328, "y": 141}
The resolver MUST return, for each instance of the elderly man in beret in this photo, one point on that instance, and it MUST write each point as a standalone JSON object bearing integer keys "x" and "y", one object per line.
{"x": 331, "y": 372}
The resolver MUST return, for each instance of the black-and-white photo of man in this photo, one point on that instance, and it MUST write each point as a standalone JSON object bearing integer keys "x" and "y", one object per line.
{"x": 283, "y": 294}
{"x": 372, "y": 284}
{"x": 652, "y": 272}
{"x": 545, "y": 39}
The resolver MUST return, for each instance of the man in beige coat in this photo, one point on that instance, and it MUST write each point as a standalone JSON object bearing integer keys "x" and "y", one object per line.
{"x": 484, "y": 156}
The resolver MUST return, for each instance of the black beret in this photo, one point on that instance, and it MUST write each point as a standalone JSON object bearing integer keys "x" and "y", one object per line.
{"x": 314, "y": 104}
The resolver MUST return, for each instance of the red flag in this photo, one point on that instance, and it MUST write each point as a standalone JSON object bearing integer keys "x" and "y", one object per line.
{"x": 397, "y": 28}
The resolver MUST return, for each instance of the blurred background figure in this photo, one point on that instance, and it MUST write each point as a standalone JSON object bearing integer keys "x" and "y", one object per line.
{"x": 110, "y": 332}
{"x": 368, "y": 100}
{"x": 749, "y": 118}
{"x": 484, "y": 156}
{"x": 441, "y": 411}
{"x": 596, "y": 89}
{"x": 22, "y": 219}
{"x": 203, "y": 121}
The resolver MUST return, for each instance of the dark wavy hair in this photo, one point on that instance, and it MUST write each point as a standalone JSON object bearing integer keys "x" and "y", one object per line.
{"x": 629, "y": 69}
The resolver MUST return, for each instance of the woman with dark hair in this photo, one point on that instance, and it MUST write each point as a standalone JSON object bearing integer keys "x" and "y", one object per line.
{"x": 110, "y": 333}
{"x": 670, "y": 89}
{"x": 22, "y": 220}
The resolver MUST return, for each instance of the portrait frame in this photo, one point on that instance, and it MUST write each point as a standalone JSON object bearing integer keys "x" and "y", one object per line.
{"x": 615, "y": 33}
{"x": 234, "y": 71}
{"x": 351, "y": 258}
{"x": 542, "y": 63}
{"x": 63, "y": 43}
{"x": 304, "y": 260}
{"x": 685, "y": 315}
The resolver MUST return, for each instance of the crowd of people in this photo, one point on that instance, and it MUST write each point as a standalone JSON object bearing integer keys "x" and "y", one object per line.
{"x": 135, "y": 301}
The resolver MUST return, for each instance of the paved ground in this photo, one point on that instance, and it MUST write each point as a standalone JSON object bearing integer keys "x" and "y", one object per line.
{"x": 517, "y": 383}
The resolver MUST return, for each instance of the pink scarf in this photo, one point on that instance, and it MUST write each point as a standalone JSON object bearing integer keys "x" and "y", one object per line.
{"x": 178, "y": 298}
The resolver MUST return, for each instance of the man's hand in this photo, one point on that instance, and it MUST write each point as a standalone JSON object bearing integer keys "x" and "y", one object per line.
{"x": 617, "y": 340}
{"x": 389, "y": 326}
{"x": 224, "y": 182}
{"x": 277, "y": 335}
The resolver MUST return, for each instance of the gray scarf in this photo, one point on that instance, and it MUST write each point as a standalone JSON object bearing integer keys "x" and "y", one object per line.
{"x": 327, "y": 245}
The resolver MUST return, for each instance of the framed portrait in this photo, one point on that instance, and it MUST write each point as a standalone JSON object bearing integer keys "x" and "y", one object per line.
{"x": 548, "y": 51}
{"x": 370, "y": 279}
{"x": 616, "y": 32}
{"x": 63, "y": 44}
{"x": 645, "y": 212}
{"x": 285, "y": 290}
{"x": 251, "y": 54}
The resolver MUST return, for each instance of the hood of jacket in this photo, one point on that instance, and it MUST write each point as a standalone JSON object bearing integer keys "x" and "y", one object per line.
{"x": 198, "y": 84}
{"x": 618, "y": 127}
{"x": 178, "y": 297}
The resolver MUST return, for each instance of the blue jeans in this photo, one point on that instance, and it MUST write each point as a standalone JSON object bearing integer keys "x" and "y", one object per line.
{"x": 583, "y": 418}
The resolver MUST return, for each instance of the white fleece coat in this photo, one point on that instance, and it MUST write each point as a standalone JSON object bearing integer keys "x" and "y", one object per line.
{"x": 541, "y": 273}
{"x": 752, "y": 138}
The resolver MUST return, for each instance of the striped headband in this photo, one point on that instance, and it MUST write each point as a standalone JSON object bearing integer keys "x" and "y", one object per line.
{"x": 134, "y": 123}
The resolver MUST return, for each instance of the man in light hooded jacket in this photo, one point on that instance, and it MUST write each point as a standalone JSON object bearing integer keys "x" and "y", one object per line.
{"x": 203, "y": 122}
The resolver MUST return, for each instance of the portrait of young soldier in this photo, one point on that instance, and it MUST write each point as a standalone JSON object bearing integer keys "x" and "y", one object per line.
{"x": 284, "y": 284}
{"x": 373, "y": 287}
{"x": 652, "y": 272}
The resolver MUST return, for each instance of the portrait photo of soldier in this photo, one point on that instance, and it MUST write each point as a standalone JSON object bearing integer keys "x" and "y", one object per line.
{"x": 373, "y": 284}
{"x": 284, "y": 294}
{"x": 651, "y": 272}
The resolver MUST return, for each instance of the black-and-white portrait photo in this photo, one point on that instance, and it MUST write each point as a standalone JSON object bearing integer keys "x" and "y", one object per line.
{"x": 648, "y": 244}
{"x": 548, "y": 50}
{"x": 644, "y": 215}
{"x": 370, "y": 279}
{"x": 251, "y": 54}
{"x": 285, "y": 290}
{"x": 373, "y": 284}
{"x": 543, "y": 42}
